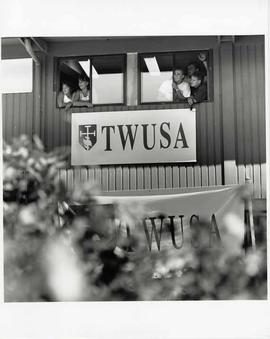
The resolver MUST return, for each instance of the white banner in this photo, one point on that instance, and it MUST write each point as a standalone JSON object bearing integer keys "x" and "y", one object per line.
{"x": 168, "y": 220}
{"x": 146, "y": 136}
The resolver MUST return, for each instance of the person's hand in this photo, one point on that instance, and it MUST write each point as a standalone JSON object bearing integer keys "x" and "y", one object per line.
{"x": 202, "y": 57}
{"x": 190, "y": 101}
{"x": 174, "y": 86}
{"x": 68, "y": 105}
{"x": 89, "y": 104}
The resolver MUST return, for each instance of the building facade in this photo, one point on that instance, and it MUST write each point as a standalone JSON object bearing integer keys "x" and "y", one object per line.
{"x": 230, "y": 124}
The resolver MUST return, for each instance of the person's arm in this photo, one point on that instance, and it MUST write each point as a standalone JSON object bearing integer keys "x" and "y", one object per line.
{"x": 185, "y": 90}
{"x": 201, "y": 94}
{"x": 178, "y": 93}
{"x": 82, "y": 104}
{"x": 202, "y": 57}
{"x": 68, "y": 105}
{"x": 190, "y": 101}
{"x": 77, "y": 102}
{"x": 60, "y": 100}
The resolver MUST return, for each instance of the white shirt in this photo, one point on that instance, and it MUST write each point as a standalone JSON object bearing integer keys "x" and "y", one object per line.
{"x": 165, "y": 92}
{"x": 66, "y": 99}
{"x": 184, "y": 89}
{"x": 84, "y": 98}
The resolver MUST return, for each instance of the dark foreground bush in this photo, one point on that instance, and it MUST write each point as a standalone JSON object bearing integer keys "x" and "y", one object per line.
{"x": 54, "y": 254}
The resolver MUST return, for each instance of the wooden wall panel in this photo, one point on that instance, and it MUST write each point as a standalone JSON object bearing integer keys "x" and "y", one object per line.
{"x": 228, "y": 111}
{"x": 9, "y": 115}
{"x": 260, "y": 81}
{"x": 240, "y": 136}
{"x": 23, "y": 114}
{"x": 119, "y": 178}
{"x": 91, "y": 175}
{"x": 161, "y": 177}
{"x": 147, "y": 177}
{"x": 112, "y": 180}
{"x": 30, "y": 110}
{"x": 218, "y": 156}
{"x": 154, "y": 176}
{"x": 250, "y": 116}
{"x": 175, "y": 176}
{"x": 17, "y": 112}
{"x": 16, "y": 115}
{"x": 140, "y": 177}
{"x": 133, "y": 177}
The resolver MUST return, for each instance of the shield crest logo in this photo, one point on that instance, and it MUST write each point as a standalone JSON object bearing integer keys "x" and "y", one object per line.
{"x": 87, "y": 136}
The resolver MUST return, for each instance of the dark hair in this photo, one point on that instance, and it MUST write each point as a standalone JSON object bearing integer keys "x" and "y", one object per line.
{"x": 83, "y": 78}
{"x": 198, "y": 75}
{"x": 66, "y": 83}
{"x": 179, "y": 69}
{"x": 195, "y": 64}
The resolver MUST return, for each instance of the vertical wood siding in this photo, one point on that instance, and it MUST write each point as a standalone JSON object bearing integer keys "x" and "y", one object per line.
{"x": 17, "y": 113}
{"x": 250, "y": 116}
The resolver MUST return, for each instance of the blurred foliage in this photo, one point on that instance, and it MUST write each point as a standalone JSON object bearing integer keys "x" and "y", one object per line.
{"x": 54, "y": 254}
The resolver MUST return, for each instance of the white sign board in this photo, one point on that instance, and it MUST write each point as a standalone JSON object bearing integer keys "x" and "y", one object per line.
{"x": 146, "y": 136}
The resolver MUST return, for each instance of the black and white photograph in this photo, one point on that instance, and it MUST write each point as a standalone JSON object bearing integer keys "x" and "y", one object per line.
{"x": 135, "y": 169}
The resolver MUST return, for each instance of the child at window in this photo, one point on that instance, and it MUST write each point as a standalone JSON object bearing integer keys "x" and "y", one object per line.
{"x": 198, "y": 66}
{"x": 64, "y": 98}
{"x": 198, "y": 89}
{"x": 192, "y": 68}
{"x": 176, "y": 89}
{"x": 181, "y": 88}
{"x": 82, "y": 96}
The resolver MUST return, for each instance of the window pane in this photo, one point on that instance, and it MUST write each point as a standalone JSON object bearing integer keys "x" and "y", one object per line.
{"x": 108, "y": 79}
{"x": 156, "y": 78}
{"x": 74, "y": 85}
{"x": 194, "y": 63}
{"x": 72, "y": 69}
{"x": 17, "y": 75}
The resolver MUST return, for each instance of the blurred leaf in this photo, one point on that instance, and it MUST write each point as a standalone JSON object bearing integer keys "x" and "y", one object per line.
{"x": 62, "y": 246}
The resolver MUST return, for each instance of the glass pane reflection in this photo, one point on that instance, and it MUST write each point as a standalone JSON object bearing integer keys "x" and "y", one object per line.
{"x": 108, "y": 79}
{"x": 156, "y": 78}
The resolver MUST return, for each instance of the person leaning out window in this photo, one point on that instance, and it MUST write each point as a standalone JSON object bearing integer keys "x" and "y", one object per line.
{"x": 64, "y": 98}
{"x": 198, "y": 89}
{"x": 82, "y": 96}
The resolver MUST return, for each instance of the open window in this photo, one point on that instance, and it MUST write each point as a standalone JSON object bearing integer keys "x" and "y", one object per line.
{"x": 108, "y": 79}
{"x": 88, "y": 81}
{"x": 156, "y": 78}
{"x": 176, "y": 77}
{"x": 70, "y": 91}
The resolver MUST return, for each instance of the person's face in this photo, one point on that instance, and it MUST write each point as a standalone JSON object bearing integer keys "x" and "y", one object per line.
{"x": 191, "y": 69}
{"x": 66, "y": 89}
{"x": 194, "y": 81}
{"x": 178, "y": 75}
{"x": 83, "y": 84}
